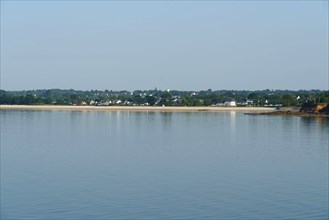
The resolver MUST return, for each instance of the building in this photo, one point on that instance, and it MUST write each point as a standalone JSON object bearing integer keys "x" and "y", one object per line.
{"x": 230, "y": 103}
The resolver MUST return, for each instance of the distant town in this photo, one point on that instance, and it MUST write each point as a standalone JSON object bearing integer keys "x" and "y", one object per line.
{"x": 155, "y": 97}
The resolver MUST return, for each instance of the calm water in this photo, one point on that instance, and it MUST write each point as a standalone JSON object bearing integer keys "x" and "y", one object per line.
{"x": 138, "y": 165}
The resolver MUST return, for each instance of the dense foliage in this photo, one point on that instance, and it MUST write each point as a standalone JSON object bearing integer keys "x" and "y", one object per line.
{"x": 167, "y": 98}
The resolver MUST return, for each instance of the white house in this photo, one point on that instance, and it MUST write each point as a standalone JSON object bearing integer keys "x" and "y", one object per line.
{"x": 230, "y": 103}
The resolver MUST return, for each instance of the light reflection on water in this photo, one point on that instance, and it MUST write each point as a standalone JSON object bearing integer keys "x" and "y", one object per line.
{"x": 83, "y": 165}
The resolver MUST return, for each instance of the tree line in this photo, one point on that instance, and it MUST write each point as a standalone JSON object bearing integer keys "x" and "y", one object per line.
{"x": 164, "y": 97}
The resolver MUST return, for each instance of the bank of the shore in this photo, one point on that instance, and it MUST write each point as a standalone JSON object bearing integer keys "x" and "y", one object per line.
{"x": 132, "y": 108}
{"x": 289, "y": 113}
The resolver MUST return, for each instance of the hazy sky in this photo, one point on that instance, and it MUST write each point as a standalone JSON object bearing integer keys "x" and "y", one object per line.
{"x": 185, "y": 45}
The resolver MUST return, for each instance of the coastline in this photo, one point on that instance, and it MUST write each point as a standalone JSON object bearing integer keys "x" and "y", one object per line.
{"x": 133, "y": 108}
{"x": 289, "y": 113}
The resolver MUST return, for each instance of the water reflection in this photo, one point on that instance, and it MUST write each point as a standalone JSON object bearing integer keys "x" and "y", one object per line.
{"x": 233, "y": 120}
{"x": 166, "y": 120}
{"x": 232, "y": 126}
{"x": 130, "y": 164}
{"x": 315, "y": 123}
{"x": 322, "y": 122}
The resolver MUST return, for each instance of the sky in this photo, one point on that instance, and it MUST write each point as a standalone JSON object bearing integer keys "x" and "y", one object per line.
{"x": 184, "y": 45}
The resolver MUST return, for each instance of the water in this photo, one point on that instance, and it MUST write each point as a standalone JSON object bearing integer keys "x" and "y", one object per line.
{"x": 139, "y": 165}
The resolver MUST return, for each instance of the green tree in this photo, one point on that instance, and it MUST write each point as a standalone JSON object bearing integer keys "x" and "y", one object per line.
{"x": 166, "y": 99}
{"x": 75, "y": 99}
{"x": 151, "y": 100}
{"x": 187, "y": 101}
{"x": 324, "y": 97}
{"x": 288, "y": 100}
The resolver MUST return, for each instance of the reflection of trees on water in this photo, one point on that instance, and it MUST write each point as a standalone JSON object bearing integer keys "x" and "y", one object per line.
{"x": 312, "y": 121}
{"x": 322, "y": 121}
{"x": 313, "y": 132}
{"x": 166, "y": 119}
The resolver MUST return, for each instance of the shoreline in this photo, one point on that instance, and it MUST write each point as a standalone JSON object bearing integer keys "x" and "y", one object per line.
{"x": 289, "y": 113}
{"x": 133, "y": 108}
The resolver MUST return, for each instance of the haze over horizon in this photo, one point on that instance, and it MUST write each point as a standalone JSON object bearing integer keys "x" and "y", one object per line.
{"x": 168, "y": 45}
{"x": 160, "y": 89}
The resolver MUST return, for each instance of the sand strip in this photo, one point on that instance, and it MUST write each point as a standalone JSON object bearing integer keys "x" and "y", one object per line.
{"x": 131, "y": 108}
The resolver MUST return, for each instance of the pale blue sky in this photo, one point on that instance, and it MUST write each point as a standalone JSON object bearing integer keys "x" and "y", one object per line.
{"x": 185, "y": 45}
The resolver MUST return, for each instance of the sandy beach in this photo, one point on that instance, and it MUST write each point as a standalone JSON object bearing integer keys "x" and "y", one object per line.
{"x": 132, "y": 108}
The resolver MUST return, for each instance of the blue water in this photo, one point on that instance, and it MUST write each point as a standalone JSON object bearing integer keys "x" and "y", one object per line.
{"x": 139, "y": 165}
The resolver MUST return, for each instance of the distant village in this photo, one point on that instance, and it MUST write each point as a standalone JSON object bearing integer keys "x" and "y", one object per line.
{"x": 155, "y": 97}
{"x": 176, "y": 101}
